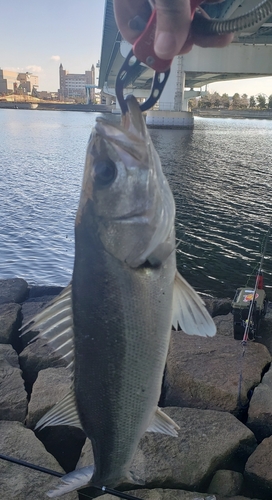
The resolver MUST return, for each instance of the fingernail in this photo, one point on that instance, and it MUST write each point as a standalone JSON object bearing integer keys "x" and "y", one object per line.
{"x": 165, "y": 45}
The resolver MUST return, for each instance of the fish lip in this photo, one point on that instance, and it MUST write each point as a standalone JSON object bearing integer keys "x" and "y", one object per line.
{"x": 128, "y": 216}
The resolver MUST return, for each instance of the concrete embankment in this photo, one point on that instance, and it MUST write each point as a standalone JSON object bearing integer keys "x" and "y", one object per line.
{"x": 233, "y": 113}
{"x": 220, "y": 399}
{"x": 56, "y": 106}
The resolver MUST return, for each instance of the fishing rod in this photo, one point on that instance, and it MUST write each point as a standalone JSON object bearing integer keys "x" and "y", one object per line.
{"x": 51, "y": 472}
{"x": 259, "y": 272}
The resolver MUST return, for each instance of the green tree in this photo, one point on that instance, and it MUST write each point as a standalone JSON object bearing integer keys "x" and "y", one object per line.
{"x": 261, "y": 101}
{"x": 252, "y": 102}
{"x": 205, "y": 101}
{"x": 269, "y": 105}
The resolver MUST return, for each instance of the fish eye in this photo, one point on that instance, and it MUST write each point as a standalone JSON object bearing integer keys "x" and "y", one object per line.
{"x": 105, "y": 172}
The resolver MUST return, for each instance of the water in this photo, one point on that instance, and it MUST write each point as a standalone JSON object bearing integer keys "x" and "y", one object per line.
{"x": 219, "y": 174}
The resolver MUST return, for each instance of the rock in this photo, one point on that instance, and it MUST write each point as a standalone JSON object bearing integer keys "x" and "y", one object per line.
{"x": 38, "y": 356}
{"x": 18, "y": 482}
{"x": 13, "y": 397}
{"x": 43, "y": 291}
{"x": 224, "y": 325}
{"x": 10, "y": 322}
{"x": 14, "y": 290}
{"x": 86, "y": 456}
{"x": 50, "y": 387}
{"x": 207, "y": 440}
{"x": 63, "y": 442}
{"x": 162, "y": 494}
{"x": 216, "y": 306}
{"x": 205, "y": 372}
{"x": 226, "y": 483}
{"x": 258, "y": 470}
{"x": 260, "y": 409}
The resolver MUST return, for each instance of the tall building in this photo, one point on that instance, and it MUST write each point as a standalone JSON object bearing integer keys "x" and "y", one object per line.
{"x": 10, "y": 81}
{"x": 74, "y": 85}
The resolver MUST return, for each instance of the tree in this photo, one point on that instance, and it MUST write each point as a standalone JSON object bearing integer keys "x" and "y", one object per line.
{"x": 269, "y": 102}
{"x": 244, "y": 101}
{"x": 252, "y": 102}
{"x": 236, "y": 101}
{"x": 192, "y": 103}
{"x": 225, "y": 100}
{"x": 215, "y": 100}
{"x": 205, "y": 101}
{"x": 261, "y": 101}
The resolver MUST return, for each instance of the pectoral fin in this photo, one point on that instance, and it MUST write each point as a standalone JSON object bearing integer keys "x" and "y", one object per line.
{"x": 72, "y": 481}
{"x": 189, "y": 311}
{"x": 163, "y": 424}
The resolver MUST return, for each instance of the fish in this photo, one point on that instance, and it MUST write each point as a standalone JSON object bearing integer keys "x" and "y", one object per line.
{"x": 113, "y": 323}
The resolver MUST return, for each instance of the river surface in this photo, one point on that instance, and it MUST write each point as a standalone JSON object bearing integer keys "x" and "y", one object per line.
{"x": 220, "y": 174}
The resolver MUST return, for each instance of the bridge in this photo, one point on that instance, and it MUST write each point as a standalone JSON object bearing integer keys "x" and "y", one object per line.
{"x": 248, "y": 56}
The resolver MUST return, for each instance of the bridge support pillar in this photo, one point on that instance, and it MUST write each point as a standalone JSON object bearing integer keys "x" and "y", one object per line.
{"x": 169, "y": 119}
{"x": 173, "y": 107}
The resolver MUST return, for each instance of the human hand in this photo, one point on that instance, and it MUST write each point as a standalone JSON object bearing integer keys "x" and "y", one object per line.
{"x": 174, "y": 34}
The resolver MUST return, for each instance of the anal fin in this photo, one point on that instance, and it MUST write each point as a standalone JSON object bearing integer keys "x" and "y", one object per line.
{"x": 63, "y": 413}
{"x": 163, "y": 424}
{"x": 72, "y": 481}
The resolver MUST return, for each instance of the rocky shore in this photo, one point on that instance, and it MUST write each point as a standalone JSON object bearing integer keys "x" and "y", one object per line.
{"x": 220, "y": 396}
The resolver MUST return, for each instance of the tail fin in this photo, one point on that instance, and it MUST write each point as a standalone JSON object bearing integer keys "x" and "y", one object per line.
{"x": 73, "y": 481}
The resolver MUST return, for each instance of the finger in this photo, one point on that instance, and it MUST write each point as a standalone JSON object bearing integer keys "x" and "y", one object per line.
{"x": 173, "y": 25}
{"x": 125, "y": 11}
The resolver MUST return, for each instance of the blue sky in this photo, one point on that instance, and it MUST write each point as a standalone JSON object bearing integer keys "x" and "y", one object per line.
{"x": 38, "y": 35}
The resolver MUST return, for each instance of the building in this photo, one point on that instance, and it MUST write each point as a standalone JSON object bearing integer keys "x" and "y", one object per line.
{"x": 74, "y": 85}
{"x": 11, "y": 81}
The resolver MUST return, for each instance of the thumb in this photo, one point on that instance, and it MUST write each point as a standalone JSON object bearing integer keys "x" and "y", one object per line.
{"x": 172, "y": 27}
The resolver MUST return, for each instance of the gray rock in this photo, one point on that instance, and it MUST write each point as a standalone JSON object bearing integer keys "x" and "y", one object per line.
{"x": 14, "y": 290}
{"x": 10, "y": 322}
{"x": 50, "y": 387}
{"x": 42, "y": 291}
{"x": 86, "y": 456}
{"x": 38, "y": 356}
{"x": 224, "y": 325}
{"x": 163, "y": 494}
{"x": 216, "y": 306}
{"x": 207, "y": 441}
{"x": 20, "y": 483}
{"x": 63, "y": 442}
{"x": 205, "y": 372}
{"x": 226, "y": 483}
{"x": 13, "y": 397}
{"x": 260, "y": 409}
{"x": 258, "y": 470}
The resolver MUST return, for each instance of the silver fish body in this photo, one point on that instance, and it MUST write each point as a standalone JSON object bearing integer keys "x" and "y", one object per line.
{"x": 122, "y": 314}
{"x": 113, "y": 323}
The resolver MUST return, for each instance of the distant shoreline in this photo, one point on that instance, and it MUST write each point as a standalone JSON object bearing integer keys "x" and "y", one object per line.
{"x": 56, "y": 106}
{"x": 233, "y": 113}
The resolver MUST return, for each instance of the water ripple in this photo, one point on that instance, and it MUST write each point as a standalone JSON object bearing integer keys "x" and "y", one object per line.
{"x": 219, "y": 174}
